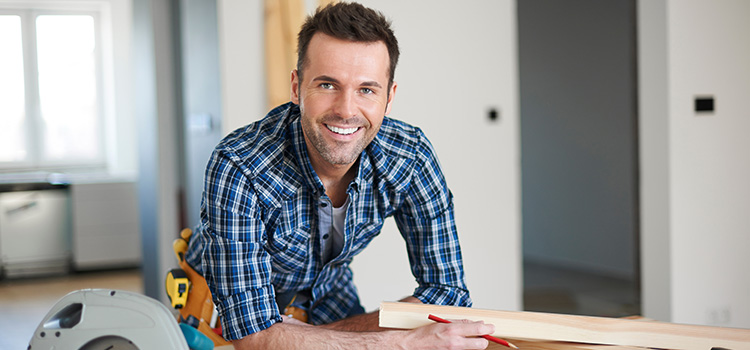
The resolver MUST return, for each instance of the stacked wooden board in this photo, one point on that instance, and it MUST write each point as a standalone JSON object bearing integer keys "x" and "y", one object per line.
{"x": 543, "y": 331}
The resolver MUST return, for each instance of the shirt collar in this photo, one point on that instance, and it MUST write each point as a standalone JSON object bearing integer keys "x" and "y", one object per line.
{"x": 297, "y": 138}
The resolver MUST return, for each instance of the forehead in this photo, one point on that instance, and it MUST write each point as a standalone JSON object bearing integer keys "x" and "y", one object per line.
{"x": 327, "y": 55}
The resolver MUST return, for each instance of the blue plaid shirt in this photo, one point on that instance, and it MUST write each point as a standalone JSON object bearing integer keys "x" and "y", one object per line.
{"x": 258, "y": 234}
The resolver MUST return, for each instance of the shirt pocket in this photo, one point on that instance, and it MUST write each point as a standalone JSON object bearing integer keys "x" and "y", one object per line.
{"x": 363, "y": 235}
{"x": 290, "y": 251}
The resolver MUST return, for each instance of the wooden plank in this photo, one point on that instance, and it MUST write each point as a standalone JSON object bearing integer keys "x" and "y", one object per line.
{"x": 282, "y": 21}
{"x": 324, "y": 3}
{"x": 529, "y": 345}
{"x": 568, "y": 328}
{"x": 553, "y": 345}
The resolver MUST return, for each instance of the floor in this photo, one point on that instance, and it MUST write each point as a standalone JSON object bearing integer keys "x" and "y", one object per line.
{"x": 557, "y": 290}
{"x": 25, "y": 302}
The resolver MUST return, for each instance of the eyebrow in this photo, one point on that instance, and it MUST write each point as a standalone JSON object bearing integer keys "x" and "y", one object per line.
{"x": 327, "y": 78}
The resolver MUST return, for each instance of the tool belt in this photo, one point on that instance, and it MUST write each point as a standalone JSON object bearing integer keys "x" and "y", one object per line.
{"x": 198, "y": 309}
{"x": 294, "y": 304}
{"x": 189, "y": 293}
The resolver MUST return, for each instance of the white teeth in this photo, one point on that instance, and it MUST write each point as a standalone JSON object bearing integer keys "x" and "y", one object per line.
{"x": 341, "y": 131}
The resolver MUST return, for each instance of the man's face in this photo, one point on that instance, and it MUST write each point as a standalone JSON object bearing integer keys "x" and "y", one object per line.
{"x": 343, "y": 97}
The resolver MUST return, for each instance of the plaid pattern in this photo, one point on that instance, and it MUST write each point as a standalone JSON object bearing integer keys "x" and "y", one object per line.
{"x": 258, "y": 234}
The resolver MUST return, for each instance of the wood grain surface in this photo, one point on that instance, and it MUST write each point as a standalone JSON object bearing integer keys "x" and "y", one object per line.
{"x": 532, "y": 345}
{"x": 556, "y": 345}
{"x": 568, "y": 328}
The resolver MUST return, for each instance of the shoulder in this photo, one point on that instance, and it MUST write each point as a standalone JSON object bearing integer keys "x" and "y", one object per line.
{"x": 398, "y": 154}
{"x": 399, "y": 139}
{"x": 257, "y": 157}
{"x": 260, "y": 145}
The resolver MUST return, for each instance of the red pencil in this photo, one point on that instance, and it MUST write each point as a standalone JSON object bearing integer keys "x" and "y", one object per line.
{"x": 488, "y": 337}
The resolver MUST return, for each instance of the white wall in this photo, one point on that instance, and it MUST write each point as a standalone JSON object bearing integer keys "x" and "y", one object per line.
{"x": 653, "y": 123}
{"x": 241, "y": 62}
{"x": 696, "y": 192}
{"x": 457, "y": 62}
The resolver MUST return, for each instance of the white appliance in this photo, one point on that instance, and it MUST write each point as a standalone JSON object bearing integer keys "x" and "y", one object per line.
{"x": 105, "y": 225}
{"x": 35, "y": 234}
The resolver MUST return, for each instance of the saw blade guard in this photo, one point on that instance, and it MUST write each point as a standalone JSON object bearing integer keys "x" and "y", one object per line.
{"x": 93, "y": 319}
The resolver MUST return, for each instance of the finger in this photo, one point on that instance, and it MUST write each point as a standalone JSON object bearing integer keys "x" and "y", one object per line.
{"x": 477, "y": 343}
{"x": 465, "y": 321}
{"x": 473, "y": 329}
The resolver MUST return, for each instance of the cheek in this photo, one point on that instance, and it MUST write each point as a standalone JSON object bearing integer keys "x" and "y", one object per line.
{"x": 375, "y": 120}
{"x": 315, "y": 103}
{"x": 375, "y": 112}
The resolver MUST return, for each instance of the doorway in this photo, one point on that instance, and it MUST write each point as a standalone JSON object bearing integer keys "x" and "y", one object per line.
{"x": 579, "y": 151}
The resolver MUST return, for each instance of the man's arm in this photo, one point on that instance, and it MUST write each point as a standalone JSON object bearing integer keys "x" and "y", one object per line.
{"x": 426, "y": 221}
{"x": 366, "y": 322}
{"x": 363, "y": 332}
{"x": 291, "y": 335}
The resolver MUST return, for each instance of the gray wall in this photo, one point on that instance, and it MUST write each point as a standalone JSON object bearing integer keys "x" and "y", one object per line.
{"x": 578, "y": 134}
{"x": 201, "y": 96}
{"x": 156, "y": 108}
{"x": 178, "y": 107}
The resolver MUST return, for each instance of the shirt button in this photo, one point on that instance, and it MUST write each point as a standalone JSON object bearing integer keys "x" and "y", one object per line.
{"x": 325, "y": 236}
{"x": 323, "y": 204}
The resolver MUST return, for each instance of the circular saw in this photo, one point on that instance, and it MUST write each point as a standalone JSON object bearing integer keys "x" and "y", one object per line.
{"x": 99, "y": 319}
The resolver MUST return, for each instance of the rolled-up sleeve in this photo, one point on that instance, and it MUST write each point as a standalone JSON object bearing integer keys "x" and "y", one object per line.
{"x": 426, "y": 221}
{"x": 236, "y": 265}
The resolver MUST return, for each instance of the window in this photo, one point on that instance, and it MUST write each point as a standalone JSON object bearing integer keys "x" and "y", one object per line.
{"x": 12, "y": 108}
{"x": 51, "y": 100}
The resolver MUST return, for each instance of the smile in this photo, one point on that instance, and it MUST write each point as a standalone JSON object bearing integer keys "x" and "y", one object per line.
{"x": 342, "y": 131}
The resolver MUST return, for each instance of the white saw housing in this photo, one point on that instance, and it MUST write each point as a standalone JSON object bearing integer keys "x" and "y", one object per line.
{"x": 94, "y": 319}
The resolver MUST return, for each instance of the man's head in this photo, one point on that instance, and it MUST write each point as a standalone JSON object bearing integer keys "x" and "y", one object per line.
{"x": 347, "y": 87}
{"x": 349, "y": 22}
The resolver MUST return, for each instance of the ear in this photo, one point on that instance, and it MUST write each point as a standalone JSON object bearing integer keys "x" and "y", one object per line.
{"x": 391, "y": 95}
{"x": 295, "y": 87}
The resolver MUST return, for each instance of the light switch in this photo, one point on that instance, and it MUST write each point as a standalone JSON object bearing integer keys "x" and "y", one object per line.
{"x": 704, "y": 104}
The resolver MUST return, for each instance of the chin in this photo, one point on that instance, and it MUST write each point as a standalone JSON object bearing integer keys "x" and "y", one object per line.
{"x": 341, "y": 160}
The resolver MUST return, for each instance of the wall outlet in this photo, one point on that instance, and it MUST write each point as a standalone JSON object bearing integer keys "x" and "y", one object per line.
{"x": 719, "y": 316}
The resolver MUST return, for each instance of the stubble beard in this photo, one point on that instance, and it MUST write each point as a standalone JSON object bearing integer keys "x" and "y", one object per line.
{"x": 331, "y": 151}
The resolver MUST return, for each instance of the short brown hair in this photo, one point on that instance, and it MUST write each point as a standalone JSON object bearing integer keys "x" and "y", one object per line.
{"x": 352, "y": 22}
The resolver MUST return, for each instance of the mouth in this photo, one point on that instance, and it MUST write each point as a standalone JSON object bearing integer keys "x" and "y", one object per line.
{"x": 342, "y": 131}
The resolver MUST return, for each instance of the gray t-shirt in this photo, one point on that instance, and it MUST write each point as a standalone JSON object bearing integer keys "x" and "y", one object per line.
{"x": 331, "y": 226}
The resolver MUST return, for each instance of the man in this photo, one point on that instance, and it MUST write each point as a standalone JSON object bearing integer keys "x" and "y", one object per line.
{"x": 291, "y": 199}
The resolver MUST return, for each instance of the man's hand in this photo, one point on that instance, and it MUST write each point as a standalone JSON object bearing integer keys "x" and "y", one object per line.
{"x": 459, "y": 335}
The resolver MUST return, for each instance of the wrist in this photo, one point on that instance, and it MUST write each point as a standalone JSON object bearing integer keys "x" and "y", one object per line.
{"x": 394, "y": 339}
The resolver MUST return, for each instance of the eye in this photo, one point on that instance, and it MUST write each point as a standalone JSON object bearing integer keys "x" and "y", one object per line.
{"x": 327, "y": 86}
{"x": 366, "y": 91}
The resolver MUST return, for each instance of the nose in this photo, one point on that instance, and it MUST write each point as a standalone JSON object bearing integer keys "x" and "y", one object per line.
{"x": 345, "y": 105}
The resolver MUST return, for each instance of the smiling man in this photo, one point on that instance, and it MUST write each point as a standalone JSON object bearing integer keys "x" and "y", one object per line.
{"x": 290, "y": 200}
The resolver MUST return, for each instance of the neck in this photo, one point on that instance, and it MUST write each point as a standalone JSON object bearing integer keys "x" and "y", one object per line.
{"x": 335, "y": 177}
{"x": 336, "y": 184}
